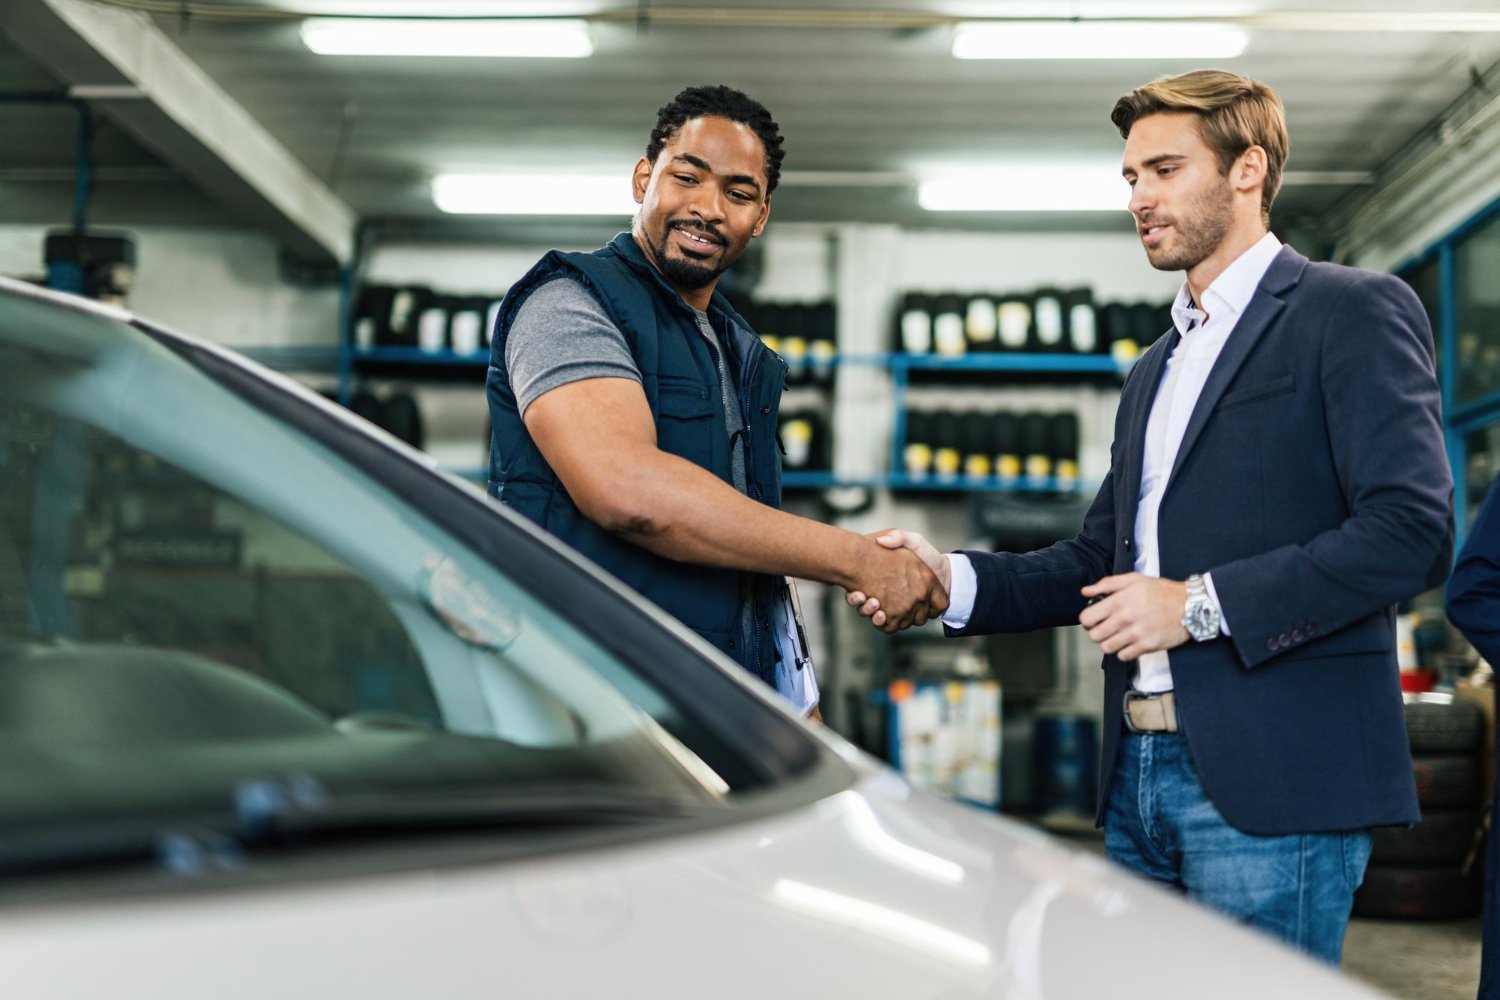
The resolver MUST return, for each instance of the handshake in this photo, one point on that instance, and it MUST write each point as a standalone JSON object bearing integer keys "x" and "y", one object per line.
{"x": 1127, "y": 615}
{"x": 902, "y": 581}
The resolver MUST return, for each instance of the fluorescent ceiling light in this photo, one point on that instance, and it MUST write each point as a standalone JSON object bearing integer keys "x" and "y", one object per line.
{"x": 534, "y": 194}
{"x": 530, "y": 39}
{"x": 1027, "y": 187}
{"x": 444, "y": 8}
{"x": 1195, "y": 40}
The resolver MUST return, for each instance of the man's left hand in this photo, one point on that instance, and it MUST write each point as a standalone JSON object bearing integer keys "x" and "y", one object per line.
{"x": 1137, "y": 614}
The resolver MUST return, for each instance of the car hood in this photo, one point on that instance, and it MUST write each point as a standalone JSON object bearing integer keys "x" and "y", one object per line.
{"x": 878, "y": 891}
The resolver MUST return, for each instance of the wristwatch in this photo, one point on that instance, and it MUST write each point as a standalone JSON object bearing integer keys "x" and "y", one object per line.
{"x": 1200, "y": 616}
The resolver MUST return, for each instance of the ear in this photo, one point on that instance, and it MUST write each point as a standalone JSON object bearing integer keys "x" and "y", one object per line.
{"x": 760, "y": 223}
{"x": 640, "y": 179}
{"x": 1249, "y": 170}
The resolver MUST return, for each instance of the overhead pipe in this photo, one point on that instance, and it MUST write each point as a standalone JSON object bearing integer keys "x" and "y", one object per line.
{"x": 83, "y": 175}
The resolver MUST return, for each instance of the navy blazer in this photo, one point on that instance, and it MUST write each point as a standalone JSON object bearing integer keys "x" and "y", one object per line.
{"x": 1312, "y": 482}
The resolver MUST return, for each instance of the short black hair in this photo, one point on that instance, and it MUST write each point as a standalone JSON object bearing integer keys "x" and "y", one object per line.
{"x": 720, "y": 102}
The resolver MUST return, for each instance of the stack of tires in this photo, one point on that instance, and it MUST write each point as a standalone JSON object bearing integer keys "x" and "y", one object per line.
{"x": 1433, "y": 871}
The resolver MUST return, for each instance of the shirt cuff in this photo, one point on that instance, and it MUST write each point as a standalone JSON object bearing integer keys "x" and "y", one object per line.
{"x": 1213, "y": 598}
{"x": 963, "y": 586}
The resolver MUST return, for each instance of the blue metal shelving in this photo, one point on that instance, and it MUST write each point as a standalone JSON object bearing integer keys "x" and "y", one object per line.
{"x": 416, "y": 356}
{"x": 900, "y": 365}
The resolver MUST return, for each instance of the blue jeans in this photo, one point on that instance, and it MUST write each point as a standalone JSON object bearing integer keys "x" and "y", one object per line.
{"x": 1160, "y": 823}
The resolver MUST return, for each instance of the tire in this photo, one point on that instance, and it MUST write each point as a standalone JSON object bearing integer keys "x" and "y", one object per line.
{"x": 1444, "y": 837}
{"x": 1446, "y": 781}
{"x": 1408, "y": 893}
{"x": 1436, "y": 728}
{"x": 367, "y": 405}
{"x": 401, "y": 416}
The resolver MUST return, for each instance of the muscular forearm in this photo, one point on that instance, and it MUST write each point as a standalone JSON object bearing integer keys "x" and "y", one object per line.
{"x": 679, "y": 510}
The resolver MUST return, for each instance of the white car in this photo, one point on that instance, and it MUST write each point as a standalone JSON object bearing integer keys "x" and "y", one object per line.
{"x": 285, "y": 713}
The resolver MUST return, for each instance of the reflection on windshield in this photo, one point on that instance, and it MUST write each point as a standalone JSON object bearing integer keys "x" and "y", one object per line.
{"x": 193, "y": 597}
{"x": 466, "y": 607}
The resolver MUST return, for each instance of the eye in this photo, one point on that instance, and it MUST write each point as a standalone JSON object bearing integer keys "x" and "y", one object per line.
{"x": 686, "y": 178}
{"x": 740, "y": 196}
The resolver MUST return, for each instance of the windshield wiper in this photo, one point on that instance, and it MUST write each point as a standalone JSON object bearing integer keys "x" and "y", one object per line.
{"x": 201, "y": 844}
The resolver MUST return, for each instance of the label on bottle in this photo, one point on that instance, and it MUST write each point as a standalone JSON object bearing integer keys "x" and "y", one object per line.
{"x": 1124, "y": 351}
{"x": 981, "y": 321}
{"x": 796, "y": 436}
{"x": 432, "y": 330}
{"x": 948, "y": 335}
{"x": 916, "y": 332}
{"x": 1049, "y": 322}
{"x": 946, "y": 463}
{"x": 1015, "y": 320}
{"x": 1083, "y": 330}
{"x": 464, "y": 332}
{"x": 918, "y": 460}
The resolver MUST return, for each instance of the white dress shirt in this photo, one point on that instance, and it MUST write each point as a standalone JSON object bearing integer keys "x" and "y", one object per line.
{"x": 1204, "y": 332}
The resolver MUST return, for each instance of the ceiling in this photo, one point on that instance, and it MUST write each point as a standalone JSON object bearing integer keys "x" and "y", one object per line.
{"x": 865, "y": 102}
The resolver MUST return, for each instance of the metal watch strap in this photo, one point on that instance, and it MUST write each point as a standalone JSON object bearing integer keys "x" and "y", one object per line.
{"x": 1199, "y": 616}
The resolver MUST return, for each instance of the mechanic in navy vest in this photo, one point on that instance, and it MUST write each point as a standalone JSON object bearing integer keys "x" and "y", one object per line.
{"x": 634, "y": 411}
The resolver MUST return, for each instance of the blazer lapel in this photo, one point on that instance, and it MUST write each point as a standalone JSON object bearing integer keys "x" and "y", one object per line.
{"x": 1265, "y": 305}
{"x": 1153, "y": 366}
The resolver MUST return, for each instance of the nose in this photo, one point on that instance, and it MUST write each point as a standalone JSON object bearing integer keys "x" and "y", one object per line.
{"x": 1142, "y": 198}
{"x": 707, "y": 204}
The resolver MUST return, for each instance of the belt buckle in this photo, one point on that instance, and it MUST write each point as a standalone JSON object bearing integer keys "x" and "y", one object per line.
{"x": 1133, "y": 695}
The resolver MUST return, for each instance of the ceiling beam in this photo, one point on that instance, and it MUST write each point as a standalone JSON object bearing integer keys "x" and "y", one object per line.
{"x": 134, "y": 76}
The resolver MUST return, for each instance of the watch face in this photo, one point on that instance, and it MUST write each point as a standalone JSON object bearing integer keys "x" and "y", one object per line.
{"x": 1200, "y": 622}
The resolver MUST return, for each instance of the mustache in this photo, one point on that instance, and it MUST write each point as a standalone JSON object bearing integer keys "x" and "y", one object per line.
{"x": 703, "y": 228}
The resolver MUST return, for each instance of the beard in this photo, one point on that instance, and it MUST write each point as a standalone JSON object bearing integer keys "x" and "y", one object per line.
{"x": 685, "y": 272}
{"x": 1199, "y": 229}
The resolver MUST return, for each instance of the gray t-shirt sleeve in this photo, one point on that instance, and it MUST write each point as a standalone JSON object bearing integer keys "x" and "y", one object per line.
{"x": 562, "y": 334}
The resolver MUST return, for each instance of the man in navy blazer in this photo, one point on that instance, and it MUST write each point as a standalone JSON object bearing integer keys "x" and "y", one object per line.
{"x": 1278, "y": 481}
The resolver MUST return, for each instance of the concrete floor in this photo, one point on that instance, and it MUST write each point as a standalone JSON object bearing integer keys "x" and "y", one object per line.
{"x": 1434, "y": 960}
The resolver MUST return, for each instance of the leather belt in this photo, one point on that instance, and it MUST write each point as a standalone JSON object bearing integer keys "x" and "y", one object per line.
{"x": 1150, "y": 713}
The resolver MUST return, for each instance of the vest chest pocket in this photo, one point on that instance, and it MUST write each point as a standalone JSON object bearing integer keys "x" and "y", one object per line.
{"x": 683, "y": 420}
{"x": 683, "y": 398}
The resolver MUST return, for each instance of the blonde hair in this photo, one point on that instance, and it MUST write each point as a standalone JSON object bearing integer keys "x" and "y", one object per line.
{"x": 1233, "y": 112}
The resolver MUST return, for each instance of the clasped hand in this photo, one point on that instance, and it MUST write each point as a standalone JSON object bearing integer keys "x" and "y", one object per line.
{"x": 903, "y": 587}
{"x": 885, "y": 616}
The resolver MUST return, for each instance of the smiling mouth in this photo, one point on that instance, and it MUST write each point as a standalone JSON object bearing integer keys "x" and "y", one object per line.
{"x": 1152, "y": 233}
{"x": 697, "y": 238}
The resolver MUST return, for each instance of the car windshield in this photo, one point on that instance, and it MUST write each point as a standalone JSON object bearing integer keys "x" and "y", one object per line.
{"x": 208, "y": 616}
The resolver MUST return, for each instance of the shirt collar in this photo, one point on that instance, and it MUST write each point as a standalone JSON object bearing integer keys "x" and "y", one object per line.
{"x": 1232, "y": 290}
